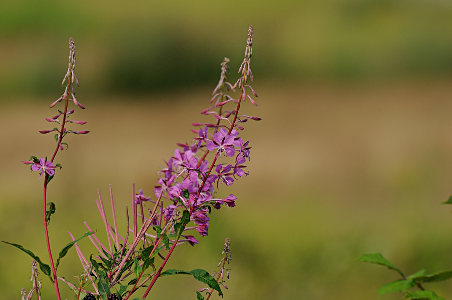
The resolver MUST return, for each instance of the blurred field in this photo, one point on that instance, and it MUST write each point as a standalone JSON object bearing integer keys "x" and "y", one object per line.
{"x": 159, "y": 46}
{"x": 335, "y": 172}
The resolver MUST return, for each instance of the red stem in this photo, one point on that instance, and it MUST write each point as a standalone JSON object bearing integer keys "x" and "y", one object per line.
{"x": 218, "y": 278}
{"x": 154, "y": 279}
{"x": 55, "y": 278}
{"x": 46, "y": 178}
{"x": 142, "y": 272}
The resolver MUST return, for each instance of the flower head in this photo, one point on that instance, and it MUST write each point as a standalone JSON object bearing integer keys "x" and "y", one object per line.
{"x": 42, "y": 166}
{"x": 224, "y": 142}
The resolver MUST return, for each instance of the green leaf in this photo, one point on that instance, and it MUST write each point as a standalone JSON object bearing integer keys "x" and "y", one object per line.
{"x": 396, "y": 286}
{"x": 165, "y": 240}
{"x": 148, "y": 262}
{"x": 137, "y": 268}
{"x": 35, "y": 159}
{"x": 449, "y": 201}
{"x": 185, "y": 217}
{"x": 186, "y": 194}
{"x": 126, "y": 266}
{"x": 173, "y": 272}
{"x": 423, "y": 295}
{"x": 199, "y": 296}
{"x": 158, "y": 230}
{"x": 94, "y": 263}
{"x": 106, "y": 262}
{"x": 441, "y": 276}
{"x": 147, "y": 251}
{"x": 131, "y": 282}
{"x": 44, "y": 267}
{"x": 377, "y": 258}
{"x": 50, "y": 211}
{"x": 416, "y": 275}
{"x": 205, "y": 277}
{"x": 49, "y": 178}
{"x": 198, "y": 274}
{"x": 66, "y": 248}
{"x": 102, "y": 286}
{"x": 180, "y": 226}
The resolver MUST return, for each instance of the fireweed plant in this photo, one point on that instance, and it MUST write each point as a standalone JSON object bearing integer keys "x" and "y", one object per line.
{"x": 187, "y": 192}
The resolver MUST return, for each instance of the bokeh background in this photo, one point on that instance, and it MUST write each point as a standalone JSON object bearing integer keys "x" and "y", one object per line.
{"x": 354, "y": 153}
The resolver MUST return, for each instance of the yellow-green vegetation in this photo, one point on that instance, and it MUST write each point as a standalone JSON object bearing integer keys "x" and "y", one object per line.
{"x": 166, "y": 45}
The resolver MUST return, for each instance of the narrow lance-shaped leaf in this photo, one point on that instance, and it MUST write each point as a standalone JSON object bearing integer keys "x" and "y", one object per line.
{"x": 416, "y": 275}
{"x": 198, "y": 274}
{"x": 50, "y": 211}
{"x": 396, "y": 286}
{"x": 377, "y": 258}
{"x": 44, "y": 267}
{"x": 205, "y": 277}
{"x": 103, "y": 287}
{"x": 423, "y": 295}
{"x": 199, "y": 296}
{"x": 66, "y": 248}
{"x": 137, "y": 268}
{"x": 441, "y": 276}
{"x": 49, "y": 178}
{"x": 180, "y": 226}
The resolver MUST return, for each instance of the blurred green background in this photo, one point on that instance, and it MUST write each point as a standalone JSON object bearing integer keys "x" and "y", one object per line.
{"x": 353, "y": 154}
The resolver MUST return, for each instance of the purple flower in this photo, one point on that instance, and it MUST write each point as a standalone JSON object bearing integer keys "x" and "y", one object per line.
{"x": 224, "y": 174}
{"x": 229, "y": 201}
{"x": 43, "y": 166}
{"x": 202, "y": 136}
{"x": 224, "y": 142}
{"x": 240, "y": 159}
{"x": 202, "y": 221}
{"x": 139, "y": 198}
{"x": 166, "y": 185}
{"x": 245, "y": 150}
{"x": 183, "y": 162}
{"x": 169, "y": 212}
{"x": 191, "y": 239}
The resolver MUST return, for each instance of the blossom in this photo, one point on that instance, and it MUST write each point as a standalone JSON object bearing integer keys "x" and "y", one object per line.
{"x": 169, "y": 212}
{"x": 229, "y": 201}
{"x": 224, "y": 142}
{"x": 245, "y": 150}
{"x": 43, "y": 166}
{"x": 139, "y": 198}
{"x": 183, "y": 162}
{"x": 224, "y": 174}
{"x": 191, "y": 239}
{"x": 202, "y": 136}
{"x": 202, "y": 221}
{"x": 238, "y": 168}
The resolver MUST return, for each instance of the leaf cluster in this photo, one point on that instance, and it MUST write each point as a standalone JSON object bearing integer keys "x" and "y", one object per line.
{"x": 406, "y": 284}
{"x": 45, "y": 268}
